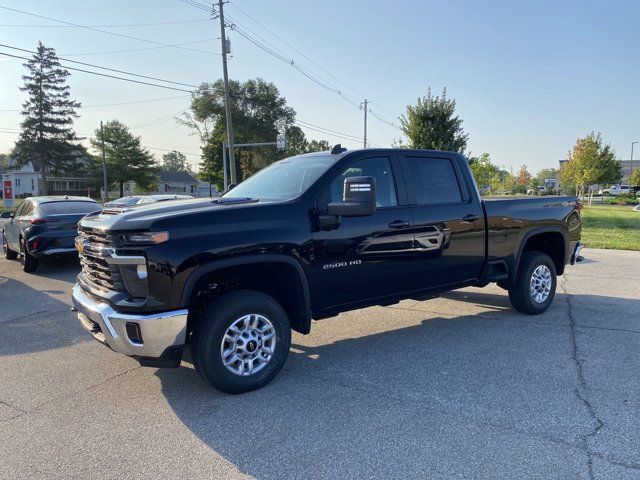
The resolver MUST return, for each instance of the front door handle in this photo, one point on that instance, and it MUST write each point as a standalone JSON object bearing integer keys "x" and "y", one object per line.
{"x": 399, "y": 224}
{"x": 471, "y": 218}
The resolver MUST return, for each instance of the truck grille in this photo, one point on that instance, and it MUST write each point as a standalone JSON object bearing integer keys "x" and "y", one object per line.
{"x": 95, "y": 270}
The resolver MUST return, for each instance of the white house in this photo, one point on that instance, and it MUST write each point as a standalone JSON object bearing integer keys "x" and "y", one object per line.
{"x": 25, "y": 180}
{"x": 182, "y": 183}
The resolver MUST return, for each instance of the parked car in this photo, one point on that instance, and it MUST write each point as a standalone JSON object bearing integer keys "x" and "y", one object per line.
{"x": 123, "y": 202}
{"x": 306, "y": 238}
{"x": 616, "y": 190}
{"x": 44, "y": 226}
{"x": 160, "y": 198}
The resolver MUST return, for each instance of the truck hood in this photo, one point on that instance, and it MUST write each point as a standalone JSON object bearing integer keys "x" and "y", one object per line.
{"x": 143, "y": 216}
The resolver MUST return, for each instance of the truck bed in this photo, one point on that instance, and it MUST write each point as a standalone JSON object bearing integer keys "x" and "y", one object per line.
{"x": 510, "y": 221}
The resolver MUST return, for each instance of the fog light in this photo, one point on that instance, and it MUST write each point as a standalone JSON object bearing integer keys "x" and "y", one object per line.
{"x": 133, "y": 332}
{"x": 142, "y": 272}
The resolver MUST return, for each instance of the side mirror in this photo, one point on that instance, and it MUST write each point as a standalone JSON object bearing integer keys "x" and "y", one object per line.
{"x": 6, "y": 215}
{"x": 359, "y": 198}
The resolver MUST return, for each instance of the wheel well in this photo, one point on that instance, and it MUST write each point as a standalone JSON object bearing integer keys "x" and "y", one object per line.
{"x": 277, "y": 279}
{"x": 551, "y": 243}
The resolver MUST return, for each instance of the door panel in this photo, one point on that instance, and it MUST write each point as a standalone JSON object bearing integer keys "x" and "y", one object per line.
{"x": 448, "y": 223}
{"x": 12, "y": 227}
{"x": 369, "y": 256}
{"x": 363, "y": 258}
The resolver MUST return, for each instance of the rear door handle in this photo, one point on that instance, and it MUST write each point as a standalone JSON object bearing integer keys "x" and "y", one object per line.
{"x": 471, "y": 218}
{"x": 399, "y": 224}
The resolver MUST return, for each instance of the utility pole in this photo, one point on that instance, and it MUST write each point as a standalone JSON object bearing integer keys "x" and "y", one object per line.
{"x": 227, "y": 103}
{"x": 104, "y": 166}
{"x": 631, "y": 163}
{"x": 365, "y": 121}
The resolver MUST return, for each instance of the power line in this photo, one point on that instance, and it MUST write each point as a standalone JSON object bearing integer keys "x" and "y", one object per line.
{"x": 144, "y": 49}
{"x": 102, "y": 31}
{"x": 383, "y": 120}
{"x": 118, "y": 25}
{"x": 257, "y": 22}
{"x": 326, "y": 131}
{"x": 117, "y": 104}
{"x": 199, "y": 5}
{"x": 106, "y": 68}
{"x": 106, "y": 75}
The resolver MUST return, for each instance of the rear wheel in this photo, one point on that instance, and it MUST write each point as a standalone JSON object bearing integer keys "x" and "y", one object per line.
{"x": 28, "y": 261}
{"x": 8, "y": 253}
{"x": 535, "y": 284}
{"x": 241, "y": 341}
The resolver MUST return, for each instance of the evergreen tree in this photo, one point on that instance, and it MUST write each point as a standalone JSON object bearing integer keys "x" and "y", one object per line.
{"x": 126, "y": 158}
{"x": 47, "y": 138}
{"x": 432, "y": 124}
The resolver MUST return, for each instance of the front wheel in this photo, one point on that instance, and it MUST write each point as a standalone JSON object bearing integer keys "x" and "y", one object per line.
{"x": 535, "y": 284}
{"x": 241, "y": 341}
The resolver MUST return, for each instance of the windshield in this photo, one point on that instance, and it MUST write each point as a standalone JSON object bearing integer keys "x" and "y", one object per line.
{"x": 284, "y": 180}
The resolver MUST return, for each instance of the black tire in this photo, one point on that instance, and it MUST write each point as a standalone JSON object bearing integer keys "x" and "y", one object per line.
{"x": 8, "y": 253}
{"x": 28, "y": 261}
{"x": 206, "y": 340}
{"x": 520, "y": 293}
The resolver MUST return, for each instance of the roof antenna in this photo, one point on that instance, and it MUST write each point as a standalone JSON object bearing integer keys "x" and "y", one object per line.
{"x": 337, "y": 149}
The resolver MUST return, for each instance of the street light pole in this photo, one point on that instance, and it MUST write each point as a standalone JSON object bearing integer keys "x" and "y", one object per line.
{"x": 104, "y": 166}
{"x": 631, "y": 162}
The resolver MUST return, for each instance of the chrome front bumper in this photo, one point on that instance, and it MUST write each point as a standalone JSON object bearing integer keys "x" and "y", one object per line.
{"x": 158, "y": 331}
{"x": 575, "y": 256}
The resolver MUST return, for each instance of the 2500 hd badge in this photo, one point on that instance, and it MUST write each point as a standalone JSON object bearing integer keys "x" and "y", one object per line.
{"x": 329, "y": 266}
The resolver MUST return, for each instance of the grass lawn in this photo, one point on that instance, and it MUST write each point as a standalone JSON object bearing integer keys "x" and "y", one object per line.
{"x": 610, "y": 226}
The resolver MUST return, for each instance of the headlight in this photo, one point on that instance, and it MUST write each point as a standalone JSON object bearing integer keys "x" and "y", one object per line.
{"x": 146, "y": 238}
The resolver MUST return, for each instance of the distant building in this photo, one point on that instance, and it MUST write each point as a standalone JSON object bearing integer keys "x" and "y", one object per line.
{"x": 205, "y": 191}
{"x": 27, "y": 181}
{"x": 182, "y": 183}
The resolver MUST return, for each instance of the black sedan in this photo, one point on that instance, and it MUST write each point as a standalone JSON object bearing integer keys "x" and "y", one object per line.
{"x": 43, "y": 226}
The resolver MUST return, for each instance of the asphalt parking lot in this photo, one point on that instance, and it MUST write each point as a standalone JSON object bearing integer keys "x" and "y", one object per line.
{"x": 456, "y": 387}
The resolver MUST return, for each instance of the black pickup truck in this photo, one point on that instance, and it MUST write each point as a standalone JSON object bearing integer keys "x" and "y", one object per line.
{"x": 307, "y": 238}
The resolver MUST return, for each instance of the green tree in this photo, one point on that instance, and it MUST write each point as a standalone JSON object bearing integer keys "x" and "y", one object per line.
{"x": 47, "y": 139}
{"x": 297, "y": 142}
{"x": 318, "y": 146}
{"x": 258, "y": 112}
{"x": 4, "y": 161}
{"x": 635, "y": 177}
{"x": 590, "y": 162}
{"x": 126, "y": 158}
{"x": 486, "y": 174}
{"x": 174, "y": 161}
{"x": 432, "y": 124}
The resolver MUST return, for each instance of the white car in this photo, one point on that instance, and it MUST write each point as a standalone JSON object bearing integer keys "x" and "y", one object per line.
{"x": 616, "y": 190}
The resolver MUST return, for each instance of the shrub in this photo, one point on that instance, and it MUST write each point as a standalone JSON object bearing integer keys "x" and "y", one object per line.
{"x": 621, "y": 200}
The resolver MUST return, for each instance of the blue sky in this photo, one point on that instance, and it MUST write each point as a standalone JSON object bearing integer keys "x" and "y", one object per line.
{"x": 528, "y": 77}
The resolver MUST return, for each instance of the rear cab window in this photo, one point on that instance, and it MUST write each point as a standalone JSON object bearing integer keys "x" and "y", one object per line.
{"x": 68, "y": 208}
{"x": 431, "y": 180}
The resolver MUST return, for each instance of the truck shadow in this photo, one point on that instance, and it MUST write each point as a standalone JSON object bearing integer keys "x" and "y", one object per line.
{"x": 348, "y": 407}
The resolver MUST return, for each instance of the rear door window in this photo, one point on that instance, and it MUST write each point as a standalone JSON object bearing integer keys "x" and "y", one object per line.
{"x": 431, "y": 181}
{"x": 68, "y": 208}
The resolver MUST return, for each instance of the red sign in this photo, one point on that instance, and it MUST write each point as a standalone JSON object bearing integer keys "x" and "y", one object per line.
{"x": 8, "y": 190}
